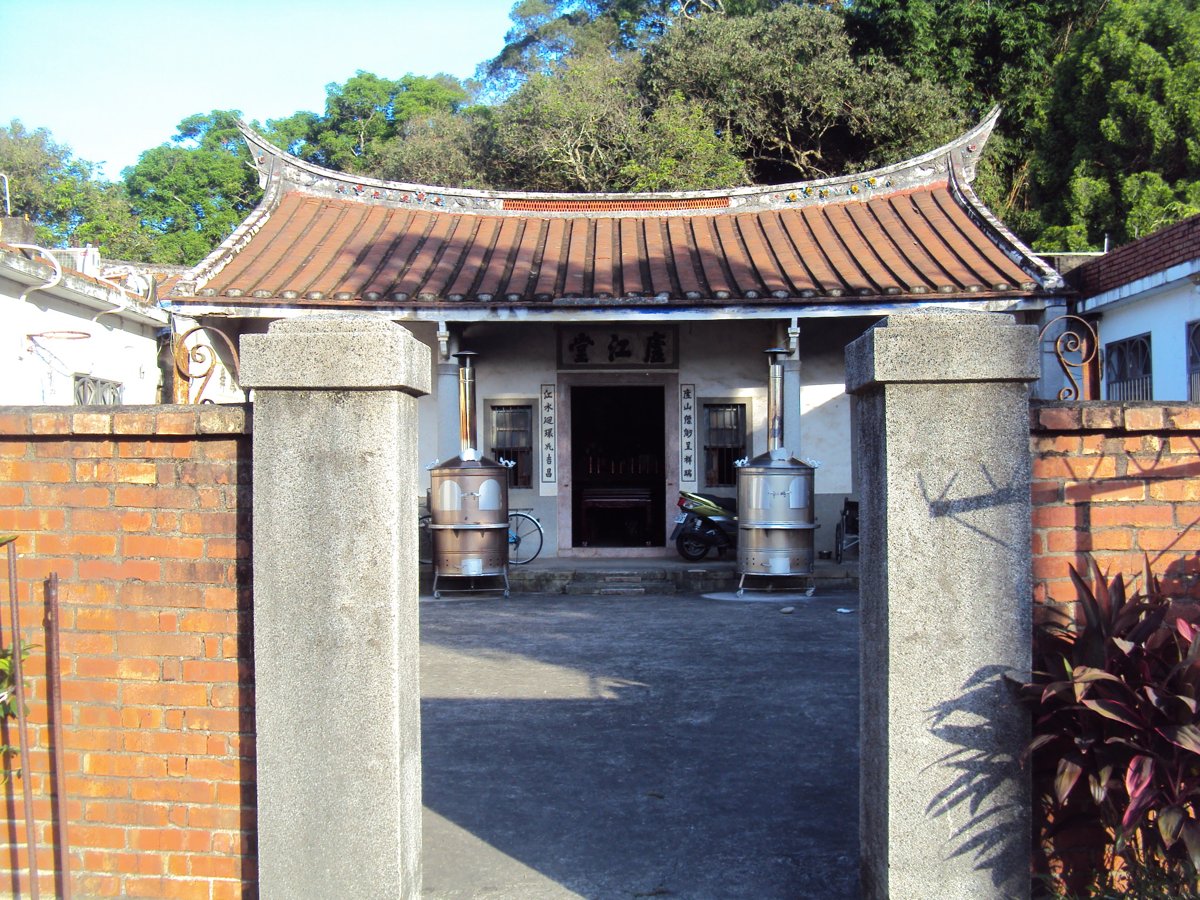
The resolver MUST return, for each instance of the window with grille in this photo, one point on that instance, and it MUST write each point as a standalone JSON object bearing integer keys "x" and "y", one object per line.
{"x": 724, "y": 442}
{"x": 1193, "y": 361}
{"x": 91, "y": 391}
{"x": 512, "y": 439}
{"x": 1127, "y": 369}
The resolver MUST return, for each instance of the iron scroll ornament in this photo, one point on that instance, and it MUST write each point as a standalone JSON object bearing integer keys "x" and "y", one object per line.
{"x": 1072, "y": 342}
{"x": 199, "y": 362}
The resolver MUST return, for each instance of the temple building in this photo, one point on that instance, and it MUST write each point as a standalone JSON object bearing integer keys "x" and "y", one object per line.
{"x": 621, "y": 337}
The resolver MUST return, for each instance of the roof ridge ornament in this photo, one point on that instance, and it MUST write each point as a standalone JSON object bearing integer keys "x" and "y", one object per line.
{"x": 280, "y": 170}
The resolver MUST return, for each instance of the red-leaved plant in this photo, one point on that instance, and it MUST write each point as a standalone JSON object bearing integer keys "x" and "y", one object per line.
{"x": 1116, "y": 742}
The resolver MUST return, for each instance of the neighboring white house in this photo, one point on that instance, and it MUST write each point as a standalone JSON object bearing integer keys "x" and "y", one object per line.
{"x": 72, "y": 336}
{"x": 1144, "y": 302}
{"x": 79, "y": 330}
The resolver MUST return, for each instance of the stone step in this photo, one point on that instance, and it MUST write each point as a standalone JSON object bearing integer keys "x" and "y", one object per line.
{"x": 616, "y": 583}
{"x": 667, "y": 580}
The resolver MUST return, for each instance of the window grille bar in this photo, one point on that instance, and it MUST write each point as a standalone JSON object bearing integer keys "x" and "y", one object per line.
{"x": 724, "y": 442}
{"x": 1131, "y": 389}
{"x": 90, "y": 391}
{"x": 1128, "y": 369}
{"x": 512, "y": 439}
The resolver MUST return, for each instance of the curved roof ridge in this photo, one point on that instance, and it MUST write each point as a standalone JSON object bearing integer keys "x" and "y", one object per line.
{"x": 280, "y": 170}
{"x": 1011, "y": 245}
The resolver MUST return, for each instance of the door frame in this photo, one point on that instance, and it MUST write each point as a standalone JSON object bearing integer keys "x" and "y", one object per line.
{"x": 669, "y": 382}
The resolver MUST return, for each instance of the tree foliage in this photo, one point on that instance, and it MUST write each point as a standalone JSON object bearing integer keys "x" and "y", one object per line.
{"x": 1123, "y": 157}
{"x": 1099, "y": 99}
{"x": 363, "y": 116}
{"x": 192, "y": 193}
{"x": 61, "y": 196}
{"x": 587, "y": 126}
{"x": 786, "y": 85}
{"x": 718, "y": 99}
{"x": 1002, "y": 51}
{"x": 443, "y": 148}
{"x": 1100, "y": 134}
{"x": 590, "y": 128}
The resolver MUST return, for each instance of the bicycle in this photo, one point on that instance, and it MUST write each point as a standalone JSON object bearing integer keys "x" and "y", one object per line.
{"x": 525, "y": 538}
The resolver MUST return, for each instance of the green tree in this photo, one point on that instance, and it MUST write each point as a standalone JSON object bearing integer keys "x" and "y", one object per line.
{"x": 1002, "y": 51}
{"x": 62, "y": 197}
{"x": 572, "y": 130}
{"x": 192, "y": 194}
{"x": 545, "y": 33}
{"x": 362, "y": 116}
{"x": 1120, "y": 155}
{"x": 106, "y": 220}
{"x": 588, "y": 127}
{"x": 786, "y": 86}
{"x": 680, "y": 149}
{"x": 442, "y": 148}
{"x": 44, "y": 179}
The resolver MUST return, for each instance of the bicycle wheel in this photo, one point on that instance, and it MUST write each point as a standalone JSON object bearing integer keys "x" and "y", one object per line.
{"x": 839, "y": 538}
{"x": 524, "y": 538}
{"x": 424, "y": 540}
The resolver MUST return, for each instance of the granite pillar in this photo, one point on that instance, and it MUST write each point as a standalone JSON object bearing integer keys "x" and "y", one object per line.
{"x": 335, "y": 606}
{"x": 942, "y": 418}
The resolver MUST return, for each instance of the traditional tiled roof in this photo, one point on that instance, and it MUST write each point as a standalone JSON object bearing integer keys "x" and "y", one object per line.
{"x": 326, "y": 239}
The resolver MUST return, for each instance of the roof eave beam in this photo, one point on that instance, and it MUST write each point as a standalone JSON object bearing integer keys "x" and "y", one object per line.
{"x": 647, "y": 313}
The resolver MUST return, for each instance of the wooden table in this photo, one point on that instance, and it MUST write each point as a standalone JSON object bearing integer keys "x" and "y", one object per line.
{"x": 629, "y": 498}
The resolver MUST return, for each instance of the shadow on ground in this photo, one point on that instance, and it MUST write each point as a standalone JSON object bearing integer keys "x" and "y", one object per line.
{"x": 640, "y": 747}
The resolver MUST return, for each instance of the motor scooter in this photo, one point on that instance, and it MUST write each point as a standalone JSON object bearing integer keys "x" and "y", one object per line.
{"x": 705, "y": 521}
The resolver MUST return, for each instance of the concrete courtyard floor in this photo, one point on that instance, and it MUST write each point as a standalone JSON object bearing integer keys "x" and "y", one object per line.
{"x": 646, "y": 746}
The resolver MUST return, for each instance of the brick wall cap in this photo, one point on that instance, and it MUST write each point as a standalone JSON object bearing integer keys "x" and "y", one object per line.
{"x": 126, "y": 421}
{"x": 1109, "y": 416}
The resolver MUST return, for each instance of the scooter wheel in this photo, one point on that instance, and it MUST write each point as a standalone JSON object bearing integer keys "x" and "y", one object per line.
{"x": 690, "y": 548}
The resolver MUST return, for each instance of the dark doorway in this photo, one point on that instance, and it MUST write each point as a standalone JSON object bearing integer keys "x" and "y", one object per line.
{"x": 617, "y": 466}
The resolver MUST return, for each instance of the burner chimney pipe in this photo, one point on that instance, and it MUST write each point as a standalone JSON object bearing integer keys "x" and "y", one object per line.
{"x": 466, "y": 403}
{"x": 775, "y": 399}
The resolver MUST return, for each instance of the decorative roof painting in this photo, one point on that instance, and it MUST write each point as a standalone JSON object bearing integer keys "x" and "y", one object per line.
{"x": 914, "y": 231}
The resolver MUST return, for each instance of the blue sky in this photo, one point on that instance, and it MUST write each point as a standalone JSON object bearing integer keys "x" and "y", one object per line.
{"x": 112, "y": 78}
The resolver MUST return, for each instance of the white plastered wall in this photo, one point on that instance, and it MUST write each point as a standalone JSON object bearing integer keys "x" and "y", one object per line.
{"x": 825, "y": 421}
{"x": 1163, "y": 311}
{"x": 47, "y": 340}
{"x": 723, "y": 359}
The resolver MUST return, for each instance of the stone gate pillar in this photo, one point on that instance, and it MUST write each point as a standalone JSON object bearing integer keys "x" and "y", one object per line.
{"x": 337, "y": 702}
{"x": 942, "y": 416}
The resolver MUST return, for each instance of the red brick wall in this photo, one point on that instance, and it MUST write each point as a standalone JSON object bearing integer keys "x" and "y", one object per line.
{"x": 1118, "y": 481}
{"x": 144, "y": 514}
{"x": 1171, "y": 246}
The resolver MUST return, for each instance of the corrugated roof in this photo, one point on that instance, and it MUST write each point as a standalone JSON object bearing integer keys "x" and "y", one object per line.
{"x": 322, "y": 238}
